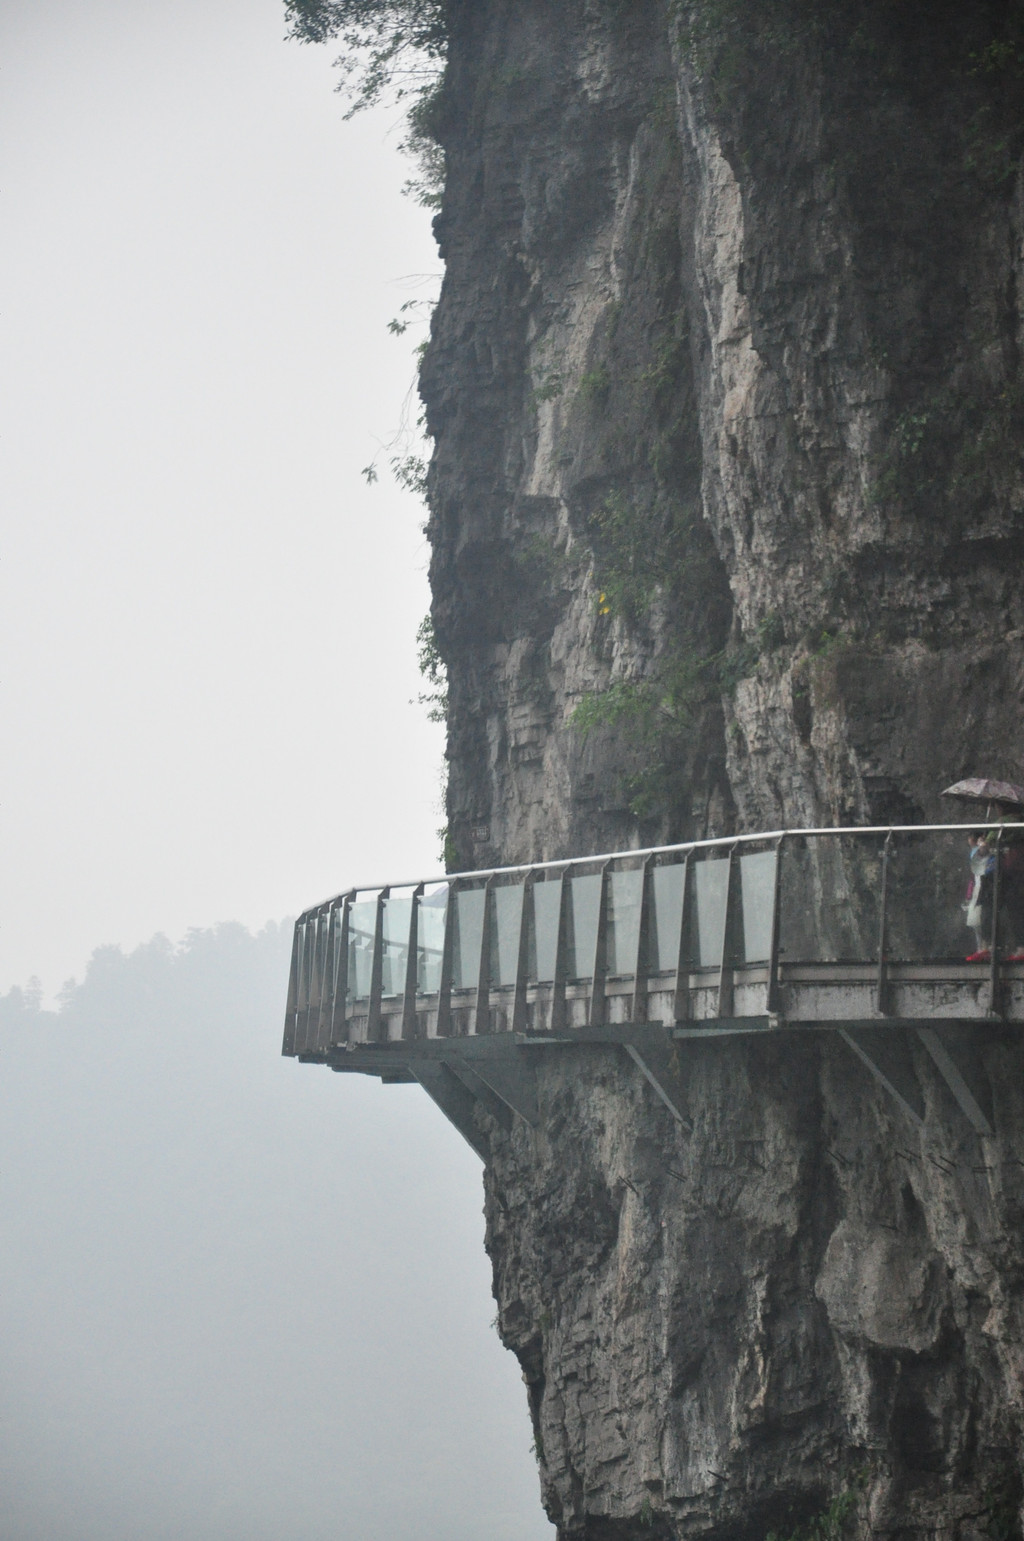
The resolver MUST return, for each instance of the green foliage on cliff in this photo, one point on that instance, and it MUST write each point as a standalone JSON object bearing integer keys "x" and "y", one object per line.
{"x": 657, "y": 712}
{"x": 642, "y": 551}
{"x": 433, "y": 669}
{"x": 730, "y": 43}
{"x": 661, "y": 711}
{"x": 949, "y": 450}
{"x": 647, "y": 556}
{"x": 659, "y": 592}
{"x": 638, "y": 549}
{"x": 654, "y": 569}
{"x": 1002, "y": 1500}
{"x": 647, "y": 706}
{"x": 392, "y": 48}
{"x": 390, "y": 45}
{"x": 831, "y": 1522}
{"x": 435, "y": 698}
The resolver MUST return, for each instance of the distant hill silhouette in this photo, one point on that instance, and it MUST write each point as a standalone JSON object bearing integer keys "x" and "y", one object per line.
{"x": 239, "y": 1296}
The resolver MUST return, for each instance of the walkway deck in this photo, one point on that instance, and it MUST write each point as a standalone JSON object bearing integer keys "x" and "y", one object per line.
{"x": 457, "y": 982}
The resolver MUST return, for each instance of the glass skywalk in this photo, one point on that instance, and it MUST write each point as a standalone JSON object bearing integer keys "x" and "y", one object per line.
{"x": 799, "y": 927}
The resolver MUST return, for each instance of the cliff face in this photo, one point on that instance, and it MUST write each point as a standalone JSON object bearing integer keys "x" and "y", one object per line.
{"x": 728, "y": 527}
{"x": 726, "y": 1324}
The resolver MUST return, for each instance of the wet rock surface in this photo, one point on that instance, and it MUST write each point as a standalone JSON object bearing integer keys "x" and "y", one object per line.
{"x": 726, "y": 395}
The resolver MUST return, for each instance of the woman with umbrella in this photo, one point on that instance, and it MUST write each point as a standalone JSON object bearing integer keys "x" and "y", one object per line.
{"x": 1003, "y": 801}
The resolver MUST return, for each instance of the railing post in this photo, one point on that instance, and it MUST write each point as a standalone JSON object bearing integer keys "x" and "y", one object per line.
{"x": 482, "y": 1014}
{"x": 373, "y": 1018}
{"x": 558, "y": 983}
{"x": 291, "y": 1009}
{"x": 638, "y": 1005}
{"x": 323, "y": 973}
{"x": 339, "y": 1002}
{"x": 994, "y": 1002}
{"x": 444, "y": 989}
{"x": 323, "y": 1017}
{"x": 522, "y": 958}
{"x": 305, "y": 982}
{"x": 595, "y": 1016}
{"x": 681, "y": 991}
{"x": 882, "y": 981}
{"x": 774, "y": 992}
{"x": 313, "y": 984}
{"x": 316, "y": 978}
{"x": 723, "y": 1006}
{"x": 411, "y": 969}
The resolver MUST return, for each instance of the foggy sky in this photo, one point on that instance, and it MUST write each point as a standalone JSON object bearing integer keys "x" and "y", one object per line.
{"x": 208, "y": 617}
{"x": 240, "y": 1299}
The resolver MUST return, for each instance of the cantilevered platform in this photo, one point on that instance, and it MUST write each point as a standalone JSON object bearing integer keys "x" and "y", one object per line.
{"x": 457, "y": 982}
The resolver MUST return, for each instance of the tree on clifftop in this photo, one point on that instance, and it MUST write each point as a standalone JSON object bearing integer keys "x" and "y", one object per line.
{"x": 389, "y": 44}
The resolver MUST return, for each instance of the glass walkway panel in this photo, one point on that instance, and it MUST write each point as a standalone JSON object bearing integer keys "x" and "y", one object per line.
{"x": 713, "y": 932}
{"x": 848, "y": 929}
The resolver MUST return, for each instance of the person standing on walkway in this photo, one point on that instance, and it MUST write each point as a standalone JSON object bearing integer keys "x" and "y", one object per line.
{"x": 979, "y": 895}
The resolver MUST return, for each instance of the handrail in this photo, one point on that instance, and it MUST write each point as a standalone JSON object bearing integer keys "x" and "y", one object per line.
{"x": 717, "y": 912}
{"x": 719, "y": 841}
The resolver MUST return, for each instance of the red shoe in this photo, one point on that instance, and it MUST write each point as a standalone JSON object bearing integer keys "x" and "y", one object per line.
{"x": 983, "y": 956}
{"x": 1016, "y": 957}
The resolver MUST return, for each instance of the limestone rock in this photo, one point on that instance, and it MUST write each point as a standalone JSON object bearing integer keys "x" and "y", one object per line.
{"x": 725, "y": 387}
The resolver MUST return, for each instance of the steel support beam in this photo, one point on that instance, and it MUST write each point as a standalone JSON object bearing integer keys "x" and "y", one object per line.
{"x": 513, "y": 1078}
{"x": 478, "y": 1088}
{"x": 954, "y": 1070}
{"x": 660, "y": 1067}
{"x": 454, "y": 1099}
{"x": 888, "y": 1057}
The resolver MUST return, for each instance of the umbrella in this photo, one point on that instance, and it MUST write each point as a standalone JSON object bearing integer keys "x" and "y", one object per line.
{"x": 981, "y": 790}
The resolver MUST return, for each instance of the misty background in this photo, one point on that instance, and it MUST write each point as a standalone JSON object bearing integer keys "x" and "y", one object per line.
{"x": 239, "y": 1297}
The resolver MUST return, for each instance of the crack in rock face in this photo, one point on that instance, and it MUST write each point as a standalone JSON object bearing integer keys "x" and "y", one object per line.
{"x": 727, "y": 521}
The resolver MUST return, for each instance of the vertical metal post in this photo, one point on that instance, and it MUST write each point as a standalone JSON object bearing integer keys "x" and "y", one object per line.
{"x": 305, "y": 981}
{"x": 301, "y": 992}
{"x": 376, "y": 971}
{"x": 444, "y": 989}
{"x": 321, "y": 1036}
{"x": 638, "y": 1004}
{"x": 994, "y": 1002}
{"x": 882, "y": 981}
{"x": 599, "y": 969}
{"x": 315, "y": 973}
{"x": 339, "y": 1003}
{"x": 323, "y": 957}
{"x": 681, "y": 989}
{"x": 723, "y": 1007}
{"x": 412, "y": 966}
{"x": 312, "y": 942}
{"x": 290, "y": 1012}
{"x": 522, "y": 958}
{"x": 558, "y": 984}
{"x": 482, "y": 1014}
{"x": 774, "y": 994}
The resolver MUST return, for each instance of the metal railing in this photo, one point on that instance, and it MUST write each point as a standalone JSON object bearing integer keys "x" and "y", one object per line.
{"x": 374, "y": 963}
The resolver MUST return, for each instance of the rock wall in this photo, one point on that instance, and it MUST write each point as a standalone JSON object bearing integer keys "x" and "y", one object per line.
{"x": 727, "y": 517}
{"x": 728, "y": 1324}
